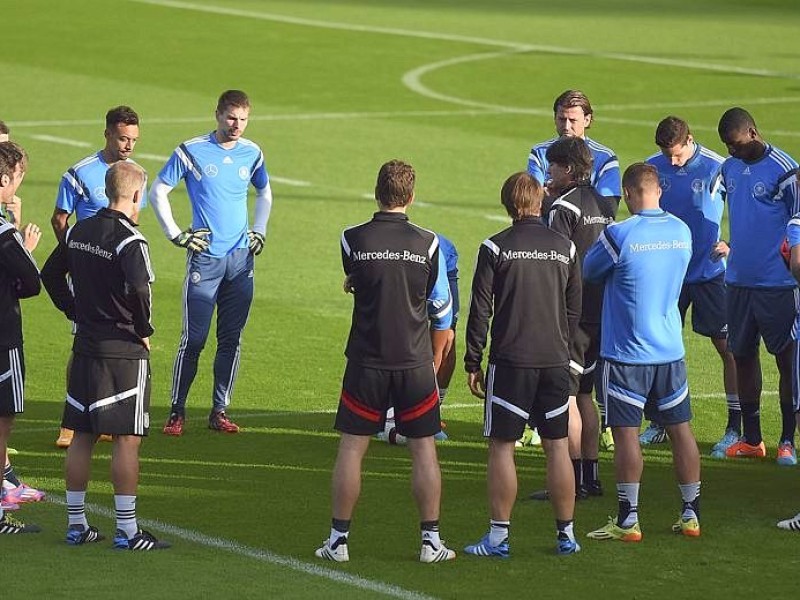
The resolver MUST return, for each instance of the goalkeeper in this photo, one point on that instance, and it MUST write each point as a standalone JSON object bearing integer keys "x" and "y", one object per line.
{"x": 217, "y": 168}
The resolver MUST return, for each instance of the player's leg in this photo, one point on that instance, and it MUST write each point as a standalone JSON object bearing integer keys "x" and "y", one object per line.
{"x": 203, "y": 277}
{"x": 233, "y": 307}
{"x": 671, "y": 393}
{"x": 590, "y": 418}
{"x": 785, "y": 361}
{"x": 12, "y": 402}
{"x": 362, "y": 404}
{"x": 443, "y": 377}
{"x": 64, "y": 438}
{"x": 743, "y": 342}
{"x": 624, "y": 418}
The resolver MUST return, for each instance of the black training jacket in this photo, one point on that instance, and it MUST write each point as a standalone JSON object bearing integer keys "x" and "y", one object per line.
{"x": 19, "y": 278}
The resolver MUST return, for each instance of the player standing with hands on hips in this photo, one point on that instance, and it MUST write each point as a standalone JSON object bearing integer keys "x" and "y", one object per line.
{"x": 218, "y": 168}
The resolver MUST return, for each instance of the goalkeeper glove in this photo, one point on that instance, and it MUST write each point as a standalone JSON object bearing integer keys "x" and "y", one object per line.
{"x": 255, "y": 241}
{"x": 197, "y": 240}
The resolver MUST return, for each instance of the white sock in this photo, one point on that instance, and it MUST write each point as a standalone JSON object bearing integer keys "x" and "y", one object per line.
{"x": 498, "y": 532}
{"x": 629, "y": 492}
{"x": 336, "y": 534}
{"x": 76, "y": 508}
{"x": 733, "y": 402}
{"x": 126, "y": 514}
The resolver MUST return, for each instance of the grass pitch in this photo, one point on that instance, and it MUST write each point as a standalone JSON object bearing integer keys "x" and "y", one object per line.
{"x": 462, "y": 90}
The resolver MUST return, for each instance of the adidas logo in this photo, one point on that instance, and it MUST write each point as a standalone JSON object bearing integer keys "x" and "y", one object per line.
{"x": 681, "y": 171}
{"x": 227, "y": 160}
{"x": 746, "y": 171}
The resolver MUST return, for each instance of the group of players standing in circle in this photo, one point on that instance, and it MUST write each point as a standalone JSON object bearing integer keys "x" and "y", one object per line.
{"x": 575, "y": 301}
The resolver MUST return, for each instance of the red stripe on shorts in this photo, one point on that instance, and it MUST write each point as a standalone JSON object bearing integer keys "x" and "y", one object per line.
{"x": 416, "y": 411}
{"x": 362, "y": 411}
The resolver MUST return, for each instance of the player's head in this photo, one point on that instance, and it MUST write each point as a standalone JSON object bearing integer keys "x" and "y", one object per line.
{"x": 737, "y": 130}
{"x": 122, "y": 133}
{"x": 675, "y": 140}
{"x": 641, "y": 187}
{"x": 4, "y": 132}
{"x": 13, "y": 163}
{"x": 395, "y": 185}
{"x": 124, "y": 186}
{"x": 572, "y": 113}
{"x": 233, "y": 111}
{"x": 569, "y": 162}
{"x": 521, "y": 196}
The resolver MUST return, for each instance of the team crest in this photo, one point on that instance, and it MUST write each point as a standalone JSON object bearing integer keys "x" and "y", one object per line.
{"x": 211, "y": 170}
{"x": 759, "y": 189}
{"x": 697, "y": 186}
{"x": 244, "y": 173}
{"x": 195, "y": 277}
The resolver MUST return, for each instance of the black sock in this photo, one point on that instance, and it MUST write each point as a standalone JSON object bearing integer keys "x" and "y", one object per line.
{"x": 341, "y": 525}
{"x": 429, "y": 525}
{"x": 789, "y": 423}
{"x": 578, "y": 470}
{"x": 751, "y": 420}
{"x": 591, "y": 472}
{"x": 734, "y": 421}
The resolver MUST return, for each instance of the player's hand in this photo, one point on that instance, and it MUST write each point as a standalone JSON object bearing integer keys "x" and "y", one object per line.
{"x": 720, "y": 250}
{"x": 255, "y": 241}
{"x": 146, "y": 343}
{"x": 196, "y": 240}
{"x": 31, "y": 236}
{"x": 347, "y": 285}
{"x": 475, "y": 383}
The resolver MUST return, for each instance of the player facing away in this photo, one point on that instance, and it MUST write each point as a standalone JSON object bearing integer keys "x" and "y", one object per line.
{"x": 760, "y": 183}
{"x": 687, "y": 173}
{"x": 641, "y": 368}
{"x": 19, "y": 278}
{"x": 793, "y": 241}
{"x": 448, "y": 262}
{"x": 580, "y": 213}
{"x": 398, "y": 286}
{"x": 82, "y": 188}
{"x": 573, "y": 116}
{"x": 218, "y": 168}
{"x": 527, "y": 283}
{"x": 108, "y": 264}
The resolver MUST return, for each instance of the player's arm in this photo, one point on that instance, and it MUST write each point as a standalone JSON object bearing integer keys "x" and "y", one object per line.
{"x": 17, "y": 259}
{"x": 54, "y": 279}
{"x": 563, "y": 218}
{"x": 536, "y": 168}
{"x": 480, "y": 312}
{"x": 134, "y": 260}
{"x": 440, "y": 309}
{"x": 609, "y": 182}
{"x": 574, "y": 292}
{"x": 260, "y": 180}
{"x": 792, "y": 244}
{"x": 70, "y": 190}
{"x": 602, "y": 256}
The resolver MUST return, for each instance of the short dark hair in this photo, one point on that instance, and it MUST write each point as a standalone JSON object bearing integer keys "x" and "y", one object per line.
{"x": 522, "y": 195}
{"x": 672, "y": 131}
{"x": 121, "y": 115}
{"x": 735, "y": 119}
{"x": 4, "y": 128}
{"x": 574, "y": 153}
{"x": 11, "y": 155}
{"x": 572, "y": 98}
{"x": 395, "y": 185}
{"x": 640, "y": 177}
{"x": 230, "y": 98}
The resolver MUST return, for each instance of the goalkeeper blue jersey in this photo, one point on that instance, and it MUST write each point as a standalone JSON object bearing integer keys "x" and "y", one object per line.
{"x": 217, "y": 180}
{"x": 605, "y": 169}
{"x": 83, "y": 188}
{"x": 687, "y": 193}
{"x": 450, "y": 256}
{"x": 642, "y": 262}
{"x": 762, "y": 196}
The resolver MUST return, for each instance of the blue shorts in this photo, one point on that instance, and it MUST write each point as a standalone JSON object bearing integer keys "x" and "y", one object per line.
{"x": 516, "y": 396}
{"x": 754, "y": 313}
{"x": 660, "y": 392}
{"x": 709, "y": 307}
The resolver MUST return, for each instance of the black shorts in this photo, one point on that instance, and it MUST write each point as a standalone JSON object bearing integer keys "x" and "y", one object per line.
{"x": 583, "y": 350}
{"x": 108, "y": 395}
{"x": 515, "y": 396}
{"x": 709, "y": 307}
{"x": 754, "y": 313}
{"x": 367, "y": 393}
{"x": 12, "y": 379}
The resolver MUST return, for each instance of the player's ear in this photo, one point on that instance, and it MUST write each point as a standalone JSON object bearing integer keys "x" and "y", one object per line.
{"x": 4, "y": 180}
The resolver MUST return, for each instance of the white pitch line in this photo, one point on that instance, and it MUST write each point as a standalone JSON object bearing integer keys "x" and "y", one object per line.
{"x": 449, "y": 37}
{"x": 263, "y": 555}
{"x": 59, "y": 140}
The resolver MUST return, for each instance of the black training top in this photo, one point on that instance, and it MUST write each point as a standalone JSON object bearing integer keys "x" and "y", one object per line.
{"x": 19, "y": 278}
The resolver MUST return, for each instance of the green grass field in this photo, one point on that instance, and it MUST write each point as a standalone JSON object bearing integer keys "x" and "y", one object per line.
{"x": 461, "y": 90}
